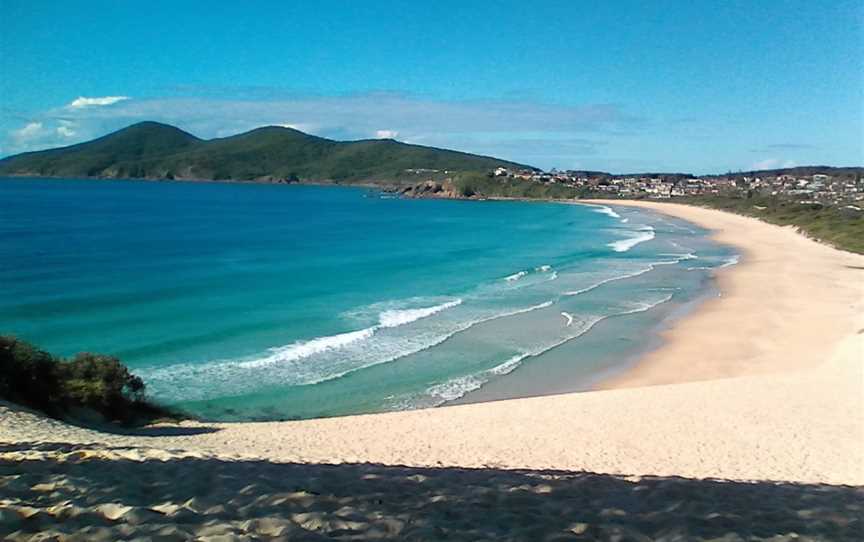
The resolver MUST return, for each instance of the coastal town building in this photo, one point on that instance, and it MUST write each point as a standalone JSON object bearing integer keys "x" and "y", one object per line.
{"x": 822, "y": 188}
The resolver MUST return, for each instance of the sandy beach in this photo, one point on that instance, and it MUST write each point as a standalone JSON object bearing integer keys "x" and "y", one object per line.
{"x": 786, "y": 306}
{"x": 762, "y": 387}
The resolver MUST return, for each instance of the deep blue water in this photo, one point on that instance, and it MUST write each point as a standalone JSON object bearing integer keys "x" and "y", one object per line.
{"x": 263, "y": 301}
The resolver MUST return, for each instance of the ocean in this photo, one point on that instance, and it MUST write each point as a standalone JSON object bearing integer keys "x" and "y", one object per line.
{"x": 255, "y": 301}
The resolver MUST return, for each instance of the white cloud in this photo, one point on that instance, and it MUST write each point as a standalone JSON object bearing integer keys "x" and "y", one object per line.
{"x": 29, "y": 131}
{"x": 486, "y": 126}
{"x": 768, "y": 163}
{"x": 82, "y": 101}
{"x": 773, "y": 163}
{"x": 41, "y": 134}
{"x": 359, "y": 116}
{"x": 65, "y": 131}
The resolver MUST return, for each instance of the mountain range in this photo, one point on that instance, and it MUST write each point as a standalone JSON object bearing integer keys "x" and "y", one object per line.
{"x": 153, "y": 150}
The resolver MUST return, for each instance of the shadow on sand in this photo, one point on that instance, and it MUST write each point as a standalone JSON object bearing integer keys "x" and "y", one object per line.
{"x": 71, "y": 491}
{"x": 160, "y": 431}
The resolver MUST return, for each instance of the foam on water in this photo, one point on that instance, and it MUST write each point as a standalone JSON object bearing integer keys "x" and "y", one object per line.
{"x": 524, "y": 279}
{"x": 515, "y": 276}
{"x": 456, "y": 388}
{"x": 322, "y": 359}
{"x": 646, "y": 233}
{"x": 303, "y": 349}
{"x": 650, "y": 266}
{"x": 680, "y": 257}
{"x": 329, "y": 358}
{"x": 606, "y": 211}
{"x": 399, "y": 333}
{"x": 733, "y": 260}
{"x": 394, "y": 318}
{"x": 727, "y": 262}
{"x": 608, "y": 280}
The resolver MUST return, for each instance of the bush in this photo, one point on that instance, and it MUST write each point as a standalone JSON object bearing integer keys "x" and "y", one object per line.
{"x": 35, "y": 378}
{"x": 27, "y": 373}
{"x": 471, "y": 184}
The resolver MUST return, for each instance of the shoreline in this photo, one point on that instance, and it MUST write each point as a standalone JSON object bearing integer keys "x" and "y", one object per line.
{"x": 653, "y": 341}
{"x": 783, "y": 404}
{"x": 776, "y": 259}
{"x": 532, "y": 379}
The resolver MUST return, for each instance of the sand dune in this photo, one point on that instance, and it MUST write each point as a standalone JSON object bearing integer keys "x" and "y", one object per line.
{"x": 99, "y": 493}
{"x": 764, "y": 384}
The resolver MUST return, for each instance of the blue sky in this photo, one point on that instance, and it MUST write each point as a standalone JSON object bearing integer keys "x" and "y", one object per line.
{"x": 698, "y": 86}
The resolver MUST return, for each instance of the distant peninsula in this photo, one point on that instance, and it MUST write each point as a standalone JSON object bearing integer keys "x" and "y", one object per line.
{"x": 152, "y": 150}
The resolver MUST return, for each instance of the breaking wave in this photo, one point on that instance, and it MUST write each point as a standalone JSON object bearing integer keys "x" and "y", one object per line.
{"x": 323, "y": 359}
{"x": 515, "y": 276}
{"x": 394, "y": 318}
{"x": 733, "y": 260}
{"x": 304, "y": 349}
{"x": 602, "y": 209}
{"x": 456, "y": 388}
{"x": 646, "y": 233}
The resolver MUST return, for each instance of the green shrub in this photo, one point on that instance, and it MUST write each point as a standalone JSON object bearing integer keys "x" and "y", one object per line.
{"x": 471, "y": 184}
{"x": 35, "y": 378}
{"x": 27, "y": 372}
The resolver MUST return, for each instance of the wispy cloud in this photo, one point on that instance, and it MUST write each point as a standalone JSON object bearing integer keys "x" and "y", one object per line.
{"x": 82, "y": 101}
{"x": 508, "y": 128}
{"x": 40, "y": 135}
{"x": 772, "y": 163}
{"x": 781, "y": 147}
{"x": 30, "y": 130}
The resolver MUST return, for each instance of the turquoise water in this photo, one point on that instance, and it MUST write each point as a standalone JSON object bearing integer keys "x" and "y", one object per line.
{"x": 267, "y": 302}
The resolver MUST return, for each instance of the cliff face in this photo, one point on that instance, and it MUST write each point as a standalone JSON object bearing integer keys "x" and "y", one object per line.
{"x": 432, "y": 189}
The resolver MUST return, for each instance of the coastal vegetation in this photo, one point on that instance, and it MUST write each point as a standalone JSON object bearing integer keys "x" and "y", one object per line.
{"x": 475, "y": 185}
{"x": 488, "y": 186}
{"x": 839, "y": 226}
{"x": 84, "y": 387}
{"x": 151, "y": 150}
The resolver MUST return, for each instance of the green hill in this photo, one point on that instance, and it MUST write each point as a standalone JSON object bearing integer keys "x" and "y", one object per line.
{"x": 158, "y": 151}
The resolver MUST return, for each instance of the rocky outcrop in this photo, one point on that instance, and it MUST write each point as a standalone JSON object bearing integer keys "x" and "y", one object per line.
{"x": 432, "y": 189}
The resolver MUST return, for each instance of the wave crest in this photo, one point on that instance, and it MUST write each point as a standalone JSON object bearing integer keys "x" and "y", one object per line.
{"x": 515, "y": 276}
{"x": 623, "y": 245}
{"x": 303, "y": 349}
{"x": 394, "y": 318}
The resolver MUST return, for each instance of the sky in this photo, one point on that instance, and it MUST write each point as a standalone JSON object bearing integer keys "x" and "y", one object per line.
{"x": 623, "y": 86}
